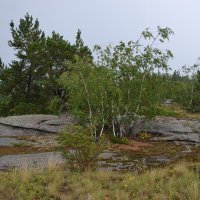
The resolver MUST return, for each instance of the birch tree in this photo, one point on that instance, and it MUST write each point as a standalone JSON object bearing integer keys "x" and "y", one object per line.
{"x": 121, "y": 86}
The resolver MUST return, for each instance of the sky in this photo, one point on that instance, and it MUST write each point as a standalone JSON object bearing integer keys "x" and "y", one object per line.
{"x": 107, "y": 22}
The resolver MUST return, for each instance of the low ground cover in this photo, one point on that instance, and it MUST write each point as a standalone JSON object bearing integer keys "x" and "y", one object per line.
{"x": 180, "y": 181}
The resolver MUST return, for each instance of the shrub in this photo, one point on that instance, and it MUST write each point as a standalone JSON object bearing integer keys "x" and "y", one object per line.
{"x": 26, "y": 108}
{"x": 80, "y": 148}
{"x": 144, "y": 135}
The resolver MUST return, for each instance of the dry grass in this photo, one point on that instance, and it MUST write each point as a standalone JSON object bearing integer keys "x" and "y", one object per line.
{"x": 177, "y": 182}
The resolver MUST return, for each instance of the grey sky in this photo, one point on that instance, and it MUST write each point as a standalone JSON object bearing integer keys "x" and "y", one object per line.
{"x": 109, "y": 21}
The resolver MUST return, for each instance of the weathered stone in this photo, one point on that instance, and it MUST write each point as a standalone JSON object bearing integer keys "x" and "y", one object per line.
{"x": 30, "y": 160}
{"x": 9, "y": 142}
{"x": 28, "y": 121}
{"x": 7, "y": 130}
{"x": 170, "y": 129}
{"x": 46, "y": 123}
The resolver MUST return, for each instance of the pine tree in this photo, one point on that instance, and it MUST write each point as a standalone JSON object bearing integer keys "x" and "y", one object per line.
{"x": 29, "y": 42}
{"x": 81, "y": 50}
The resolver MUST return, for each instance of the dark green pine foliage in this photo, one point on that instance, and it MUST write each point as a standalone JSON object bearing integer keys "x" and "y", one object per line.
{"x": 29, "y": 43}
{"x": 58, "y": 54}
{"x": 5, "y": 98}
{"x": 81, "y": 50}
{"x": 30, "y": 82}
{"x": 195, "y": 106}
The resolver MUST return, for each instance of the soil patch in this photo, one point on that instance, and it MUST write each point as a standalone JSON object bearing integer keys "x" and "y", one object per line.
{"x": 21, "y": 150}
{"x": 133, "y": 145}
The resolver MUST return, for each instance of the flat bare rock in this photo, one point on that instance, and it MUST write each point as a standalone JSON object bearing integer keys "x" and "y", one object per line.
{"x": 39, "y": 122}
{"x": 10, "y": 142}
{"x": 30, "y": 160}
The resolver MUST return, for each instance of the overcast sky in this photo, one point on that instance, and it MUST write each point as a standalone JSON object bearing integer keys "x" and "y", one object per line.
{"x": 109, "y": 21}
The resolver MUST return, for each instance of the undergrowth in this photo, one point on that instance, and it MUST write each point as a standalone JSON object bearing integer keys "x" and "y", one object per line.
{"x": 176, "y": 182}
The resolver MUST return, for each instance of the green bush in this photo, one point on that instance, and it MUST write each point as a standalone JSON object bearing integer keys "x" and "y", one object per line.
{"x": 26, "y": 108}
{"x": 80, "y": 148}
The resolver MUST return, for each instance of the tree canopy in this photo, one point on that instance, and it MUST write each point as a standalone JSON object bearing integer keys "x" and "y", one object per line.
{"x": 124, "y": 82}
{"x": 30, "y": 80}
{"x": 120, "y": 86}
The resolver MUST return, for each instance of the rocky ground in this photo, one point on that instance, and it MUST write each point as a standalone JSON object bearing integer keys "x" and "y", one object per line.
{"x": 30, "y": 140}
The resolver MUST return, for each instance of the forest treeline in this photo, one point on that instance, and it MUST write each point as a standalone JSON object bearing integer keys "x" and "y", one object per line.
{"x": 105, "y": 87}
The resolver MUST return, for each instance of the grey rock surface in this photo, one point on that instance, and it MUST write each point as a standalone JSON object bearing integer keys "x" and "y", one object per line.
{"x": 39, "y": 122}
{"x": 7, "y": 130}
{"x": 30, "y": 160}
{"x": 162, "y": 128}
{"x": 170, "y": 129}
{"x": 10, "y": 142}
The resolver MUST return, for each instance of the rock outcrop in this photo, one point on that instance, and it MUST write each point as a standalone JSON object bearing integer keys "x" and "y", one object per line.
{"x": 40, "y": 122}
{"x": 161, "y": 128}
{"x": 170, "y": 129}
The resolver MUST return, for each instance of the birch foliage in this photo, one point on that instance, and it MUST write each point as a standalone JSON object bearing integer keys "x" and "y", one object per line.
{"x": 121, "y": 86}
